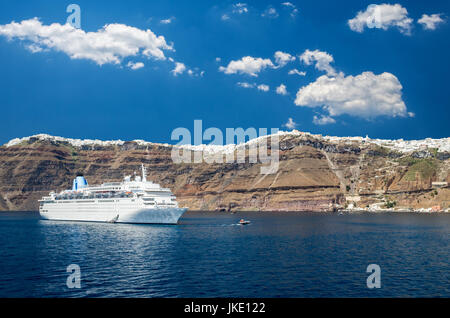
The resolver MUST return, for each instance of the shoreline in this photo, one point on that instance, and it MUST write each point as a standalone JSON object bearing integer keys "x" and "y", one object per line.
{"x": 339, "y": 212}
{"x": 327, "y": 212}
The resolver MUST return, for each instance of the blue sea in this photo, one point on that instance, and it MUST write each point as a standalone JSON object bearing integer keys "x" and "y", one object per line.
{"x": 209, "y": 255}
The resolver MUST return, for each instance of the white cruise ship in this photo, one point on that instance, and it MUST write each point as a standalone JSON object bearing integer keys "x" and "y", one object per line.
{"x": 129, "y": 201}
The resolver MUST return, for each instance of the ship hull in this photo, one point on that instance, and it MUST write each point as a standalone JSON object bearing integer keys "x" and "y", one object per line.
{"x": 136, "y": 216}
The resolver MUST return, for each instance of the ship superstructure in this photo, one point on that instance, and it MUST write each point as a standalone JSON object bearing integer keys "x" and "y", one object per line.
{"x": 134, "y": 200}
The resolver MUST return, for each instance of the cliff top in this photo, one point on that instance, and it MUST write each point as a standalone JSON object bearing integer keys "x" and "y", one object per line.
{"x": 404, "y": 146}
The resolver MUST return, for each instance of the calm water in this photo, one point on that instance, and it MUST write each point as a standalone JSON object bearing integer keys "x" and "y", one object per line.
{"x": 207, "y": 255}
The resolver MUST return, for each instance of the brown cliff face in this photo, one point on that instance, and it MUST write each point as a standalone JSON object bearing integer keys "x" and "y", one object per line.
{"x": 313, "y": 175}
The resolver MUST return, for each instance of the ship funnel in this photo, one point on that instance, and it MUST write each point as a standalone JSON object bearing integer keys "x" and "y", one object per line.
{"x": 79, "y": 183}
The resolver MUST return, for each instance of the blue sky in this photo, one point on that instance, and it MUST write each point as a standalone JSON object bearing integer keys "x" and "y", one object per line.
{"x": 45, "y": 88}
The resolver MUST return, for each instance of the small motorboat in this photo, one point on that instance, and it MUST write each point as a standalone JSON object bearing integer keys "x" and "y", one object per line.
{"x": 243, "y": 222}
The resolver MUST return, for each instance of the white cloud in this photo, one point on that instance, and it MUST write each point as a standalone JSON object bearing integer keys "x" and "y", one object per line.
{"x": 253, "y": 65}
{"x": 430, "y": 22}
{"x": 291, "y": 124}
{"x": 179, "y": 69}
{"x": 235, "y": 10}
{"x": 296, "y": 72}
{"x": 263, "y": 87}
{"x": 292, "y": 7}
{"x": 246, "y": 85}
{"x": 323, "y": 120}
{"x": 195, "y": 72}
{"x": 260, "y": 87}
{"x": 288, "y": 4}
{"x": 322, "y": 60}
{"x": 135, "y": 66}
{"x": 167, "y": 21}
{"x": 282, "y": 58}
{"x": 111, "y": 44}
{"x": 240, "y": 8}
{"x": 271, "y": 13}
{"x": 382, "y": 16}
{"x": 281, "y": 90}
{"x": 34, "y": 48}
{"x": 247, "y": 65}
{"x": 366, "y": 95}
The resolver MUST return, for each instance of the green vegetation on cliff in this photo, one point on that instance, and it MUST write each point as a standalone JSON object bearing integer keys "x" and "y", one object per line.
{"x": 426, "y": 168}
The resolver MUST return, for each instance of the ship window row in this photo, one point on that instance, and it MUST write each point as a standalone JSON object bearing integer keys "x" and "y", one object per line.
{"x": 42, "y": 203}
{"x": 146, "y": 201}
{"x": 85, "y": 201}
{"x": 96, "y": 196}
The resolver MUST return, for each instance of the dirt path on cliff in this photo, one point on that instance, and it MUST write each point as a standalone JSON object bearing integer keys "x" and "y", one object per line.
{"x": 337, "y": 171}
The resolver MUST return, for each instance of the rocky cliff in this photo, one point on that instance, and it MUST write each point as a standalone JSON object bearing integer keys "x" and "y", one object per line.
{"x": 316, "y": 173}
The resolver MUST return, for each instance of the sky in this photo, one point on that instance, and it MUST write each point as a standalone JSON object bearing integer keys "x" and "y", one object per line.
{"x": 140, "y": 69}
